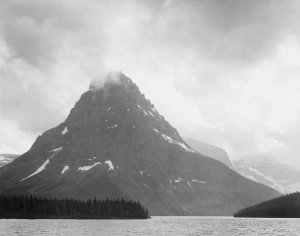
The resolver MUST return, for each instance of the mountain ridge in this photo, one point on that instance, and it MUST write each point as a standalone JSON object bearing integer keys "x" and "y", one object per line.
{"x": 210, "y": 151}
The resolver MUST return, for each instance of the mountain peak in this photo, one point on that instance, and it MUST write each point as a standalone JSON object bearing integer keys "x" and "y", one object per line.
{"x": 118, "y": 104}
{"x": 113, "y": 78}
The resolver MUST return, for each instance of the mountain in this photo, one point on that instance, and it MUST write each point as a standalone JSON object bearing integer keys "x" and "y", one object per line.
{"x": 281, "y": 177}
{"x": 287, "y": 206}
{"x": 7, "y": 158}
{"x": 210, "y": 151}
{"x": 115, "y": 144}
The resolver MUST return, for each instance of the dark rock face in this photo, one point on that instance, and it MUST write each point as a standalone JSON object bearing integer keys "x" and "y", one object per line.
{"x": 115, "y": 144}
{"x": 210, "y": 151}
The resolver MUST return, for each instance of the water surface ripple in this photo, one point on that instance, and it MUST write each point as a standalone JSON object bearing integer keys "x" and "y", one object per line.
{"x": 155, "y": 226}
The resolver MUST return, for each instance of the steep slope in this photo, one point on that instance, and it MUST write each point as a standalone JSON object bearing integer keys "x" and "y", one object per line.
{"x": 210, "y": 151}
{"x": 7, "y": 158}
{"x": 115, "y": 144}
{"x": 281, "y": 177}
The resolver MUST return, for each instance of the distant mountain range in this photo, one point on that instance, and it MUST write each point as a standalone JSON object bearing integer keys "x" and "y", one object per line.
{"x": 7, "y": 158}
{"x": 282, "y": 177}
{"x": 115, "y": 144}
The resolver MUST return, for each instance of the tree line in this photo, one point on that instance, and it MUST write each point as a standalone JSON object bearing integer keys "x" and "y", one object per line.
{"x": 33, "y": 207}
{"x": 286, "y": 206}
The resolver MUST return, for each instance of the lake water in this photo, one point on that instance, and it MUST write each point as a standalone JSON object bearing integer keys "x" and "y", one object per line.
{"x": 154, "y": 226}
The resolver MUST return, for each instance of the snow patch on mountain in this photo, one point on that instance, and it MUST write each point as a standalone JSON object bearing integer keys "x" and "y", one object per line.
{"x": 43, "y": 166}
{"x": 65, "y": 131}
{"x": 66, "y": 168}
{"x": 112, "y": 127}
{"x": 109, "y": 163}
{"x": 86, "y": 168}
{"x": 56, "y": 149}
{"x": 171, "y": 140}
{"x": 178, "y": 180}
{"x": 149, "y": 112}
{"x": 156, "y": 112}
{"x": 40, "y": 169}
{"x": 199, "y": 181}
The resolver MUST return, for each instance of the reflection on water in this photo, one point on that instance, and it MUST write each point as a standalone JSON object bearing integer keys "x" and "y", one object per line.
{"x": 154, "y": 226}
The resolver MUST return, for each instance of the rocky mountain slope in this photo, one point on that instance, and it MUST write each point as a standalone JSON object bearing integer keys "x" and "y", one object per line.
{"x": 210, "y": 151}
{"x": 281, "y": 177}
{"x": 115, "y": 144}
{"x": 7, "y": 158}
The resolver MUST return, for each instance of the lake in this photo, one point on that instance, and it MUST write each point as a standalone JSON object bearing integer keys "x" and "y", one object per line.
{"x": 157, "y": 225}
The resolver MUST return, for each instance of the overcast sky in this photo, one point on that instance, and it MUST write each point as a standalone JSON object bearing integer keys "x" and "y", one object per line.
{"x": 226, "y": 72}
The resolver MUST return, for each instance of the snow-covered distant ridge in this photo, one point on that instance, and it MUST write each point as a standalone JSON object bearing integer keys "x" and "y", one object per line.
{"x": 282, "y": 177}
{"x": 7, "y": 158}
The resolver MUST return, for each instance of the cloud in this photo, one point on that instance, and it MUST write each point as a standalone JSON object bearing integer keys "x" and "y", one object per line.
{"x": 12, "y": 135}
{"x": 230, "y": 67}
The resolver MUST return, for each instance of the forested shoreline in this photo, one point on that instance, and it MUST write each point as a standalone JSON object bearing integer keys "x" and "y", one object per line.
{"x": 286, "y": 206}
{"x": 33, "y": 207}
